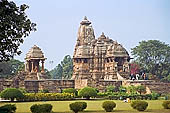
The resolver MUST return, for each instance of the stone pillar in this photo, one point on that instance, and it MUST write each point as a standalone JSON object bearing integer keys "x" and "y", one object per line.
{"x": 125, "y": 65}
{"x": 116, "y": 68}
{"x": 32, "y": 66}
{"x": 42, "y": 70}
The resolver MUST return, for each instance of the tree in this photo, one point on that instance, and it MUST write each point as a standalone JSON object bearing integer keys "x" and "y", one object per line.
{"x": 166, "y": 79}
{"x": 64, "y": 69}
{"x": 87, "y": 92}
{"x": 141, "y": 89}
{"x": 67, "y": 65}
{"x": 134, "y": 68}
{"x": 153, "y": 56}
{"x": 57, "y": 72}
{"x": 14, "y": 26}
{"x": 10, "y": 68}
{"x": 12, "y": 93}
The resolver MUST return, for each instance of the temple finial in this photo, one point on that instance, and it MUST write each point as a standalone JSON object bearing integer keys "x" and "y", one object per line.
{"x": 102, "y": 33}
{"x": 85, "y": 21}
{"x": 85, "y": 18}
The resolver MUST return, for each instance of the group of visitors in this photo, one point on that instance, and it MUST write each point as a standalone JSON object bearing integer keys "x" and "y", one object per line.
{"x": 138, "y": 76}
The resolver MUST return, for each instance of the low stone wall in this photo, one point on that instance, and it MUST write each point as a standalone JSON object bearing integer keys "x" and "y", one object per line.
{"x": 5, "y": 83}
{"x": 155, "y": 86}
{"x": 102, "y": 84}
{"x": 52, "y": 85}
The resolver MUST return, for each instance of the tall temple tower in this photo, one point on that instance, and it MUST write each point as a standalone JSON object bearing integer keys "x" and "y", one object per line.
{"x": 99, "y": 59}
{"x": 83, "y": 52}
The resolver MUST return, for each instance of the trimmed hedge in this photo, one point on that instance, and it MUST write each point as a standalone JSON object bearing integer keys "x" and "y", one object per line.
{"x": 87, "y": 92}
{"x": 124, "y": 95}
{"x": 8, "y": 108}
{"x": 70, "y": 90}
{"x": 166, "y": 104}
{"x": 108, "y": 106}
{"x": 139, "y": 105}
{"x": 78, "y": 106}
{"x": 47, "y": 96}
{"x": 41, "y": 108}
{"x": 12, "y": 93}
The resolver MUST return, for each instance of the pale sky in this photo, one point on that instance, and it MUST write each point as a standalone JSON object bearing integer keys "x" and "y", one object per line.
{"x": 127, "y": 21}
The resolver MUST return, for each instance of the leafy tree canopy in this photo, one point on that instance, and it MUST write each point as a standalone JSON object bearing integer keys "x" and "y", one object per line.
{"x": 10, "y": 67}
{"x": 64, "y": 69}
{"x": 14, "y": 26}
{"x": 153, "y": 56}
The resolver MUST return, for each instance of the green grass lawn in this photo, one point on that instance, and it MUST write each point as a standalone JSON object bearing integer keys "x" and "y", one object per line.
{"x": 93, "y": 106}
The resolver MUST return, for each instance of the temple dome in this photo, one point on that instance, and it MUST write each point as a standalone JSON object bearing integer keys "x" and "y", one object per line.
{"x": 35, "y": 52}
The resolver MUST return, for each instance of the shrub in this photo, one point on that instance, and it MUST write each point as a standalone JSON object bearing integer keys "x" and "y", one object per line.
{"x": 44, "y": 91}
{"x": 108, "y": 105}
{"x": 139, "y": 105}
{"x": 154, "y": 95}
{"x": 141, "y": 89}
{"x": 41, "y": 108}
{"x": 34, "y": 108}
{"x": 84, "y": 105}
{"x": 23, "y": 90}
{"x": 166, "y": 104}
{"x": 8, "y": 108}
{"x": 101, "y": 95}
{"x": 12, "y": 93}
{"x": 78, "y": 106}
{"x": 110, "y": 88}
{"x": 122, "y": 89}
{"x": 70, "y": 90}
{"x": 87, "y": 92}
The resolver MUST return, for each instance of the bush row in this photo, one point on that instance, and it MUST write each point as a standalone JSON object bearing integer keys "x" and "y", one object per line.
{"x": 122, "y": 96}
{"x": 108, "y": 106}
{"x": 47, "y": 96}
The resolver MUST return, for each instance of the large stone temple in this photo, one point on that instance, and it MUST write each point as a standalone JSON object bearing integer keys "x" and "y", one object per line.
{"x": 97, "y": 62}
